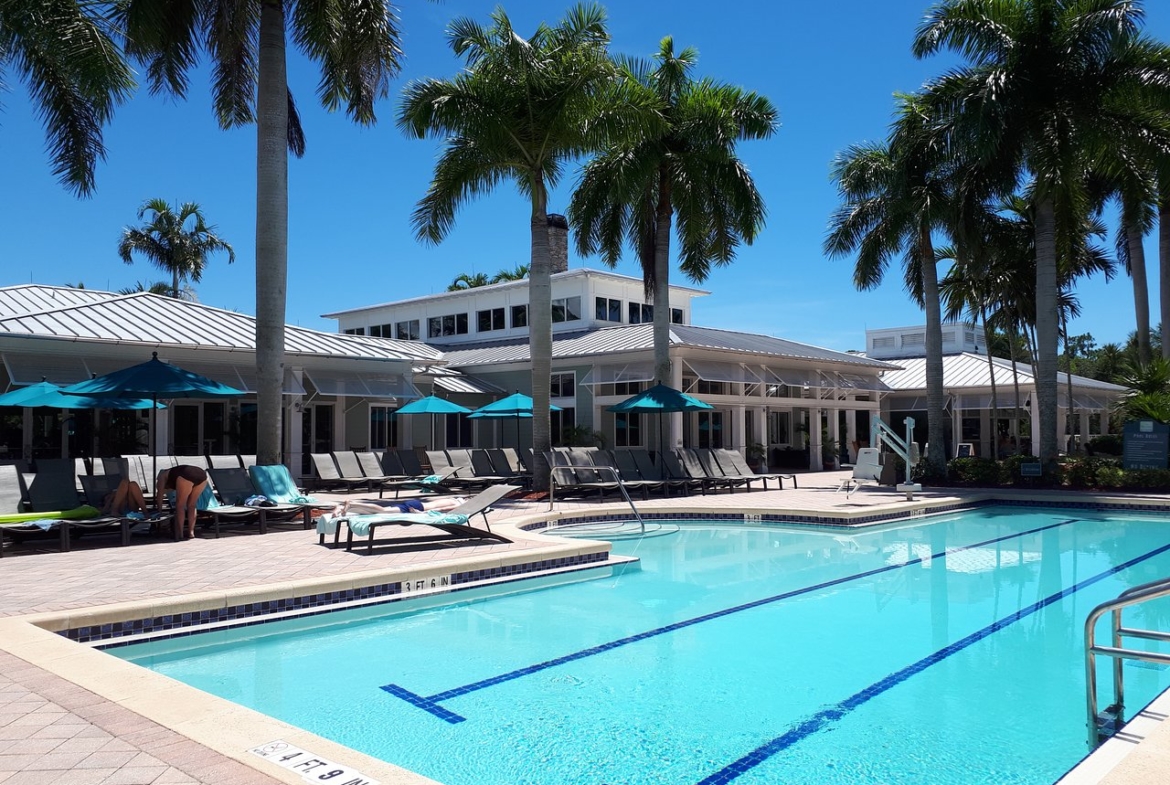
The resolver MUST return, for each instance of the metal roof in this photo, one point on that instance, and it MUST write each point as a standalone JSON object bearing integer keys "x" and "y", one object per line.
{"x": 33, "y": 298}
{"x": 640, "y": 337}
{"x": 971, "y": 371}
{"x": 149, "y": 319}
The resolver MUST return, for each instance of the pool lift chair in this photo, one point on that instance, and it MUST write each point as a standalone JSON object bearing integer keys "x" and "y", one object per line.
{"x": 869, "y": 466}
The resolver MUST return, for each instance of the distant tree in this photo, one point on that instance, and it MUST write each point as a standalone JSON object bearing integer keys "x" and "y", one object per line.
{"x": 519, "y": 274}
{"x": 65, "y": 53}
{"x": 176, "y": 241}
{"x": 159, "y": 287}
{"x": 468, "y": 281}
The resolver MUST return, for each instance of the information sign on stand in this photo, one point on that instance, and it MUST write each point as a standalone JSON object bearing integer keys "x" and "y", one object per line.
{"x": 1146, "y": 445}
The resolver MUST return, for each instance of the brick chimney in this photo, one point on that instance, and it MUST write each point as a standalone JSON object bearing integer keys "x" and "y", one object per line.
{"x": 558, "y": 242}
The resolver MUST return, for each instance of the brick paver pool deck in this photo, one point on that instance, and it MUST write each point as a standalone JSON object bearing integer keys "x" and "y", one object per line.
{"x": 52, "y": 730}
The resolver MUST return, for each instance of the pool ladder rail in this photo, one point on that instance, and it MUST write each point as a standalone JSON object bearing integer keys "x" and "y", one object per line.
{"x": 1102, "y": 725}
{"x": 593, "y": 468}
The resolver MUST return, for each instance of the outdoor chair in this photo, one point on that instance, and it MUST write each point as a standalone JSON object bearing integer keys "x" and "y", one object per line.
{"x": 481, "y": 464}
{"x": 734, "y": 463}
{"x": 411, "y": 465}
{"x": 223, "y": 462}
{"x": 276, "y": 483}
{"x": 656, "y": 470}
{"x": 328, "y": 476}
{"x": 868, "y": 468}
{"x": 441, "y": 465}
{"x": 234, "y": 488}
{"x": 371, "y": 466}
{"x": 710, "y": 464}
{"x": 690, "y": 464}
{"x": 452, "y": 523}
{"x": 349, "y": 466}
{"x": 575, "y": 473}
{"x": 627, "y": 473}
{"x": 506, "y": 467}
{"x": 391, "y": 465}
{"x": 55, "y": 509}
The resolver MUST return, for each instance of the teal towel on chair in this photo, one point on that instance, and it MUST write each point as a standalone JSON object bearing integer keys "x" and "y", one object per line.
{"x": 360, "y": 524}
{"x": 276, "y": 483}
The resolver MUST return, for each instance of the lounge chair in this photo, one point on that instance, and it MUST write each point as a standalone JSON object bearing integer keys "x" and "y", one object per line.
{"x": 484, "y": 468}
{"x": 441, "y": 464}
{"x": 867, "y": 469}
{"x": 627, "y": 472}
{"x": 710, "y": 464}
{"x": 97, "y": 487}
{"x": 391, "y": 465}
{"x": 328, "y": 474}
{"x": 276, "y": 483}
{"x": 656, "y": 470}
{"x": 47, "y": 520}
{"x": 509, "y": 466}
{"x": 234, "y": 487}
{"x": 574, "y": 473}
{"x": 223, "y": 462}
{"x": 372, "y": 465}
{"x": 696, "y": 471}
{"x": 733, "y": 463}
{"x": 453, "y": 523}
{"x": 411, "y": 465}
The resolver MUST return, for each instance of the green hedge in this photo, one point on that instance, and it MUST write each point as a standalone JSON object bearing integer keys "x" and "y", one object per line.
{"x": 1079, "y": 472}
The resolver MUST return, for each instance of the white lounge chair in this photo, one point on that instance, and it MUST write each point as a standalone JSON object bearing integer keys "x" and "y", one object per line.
{"x": 867, "y": 468}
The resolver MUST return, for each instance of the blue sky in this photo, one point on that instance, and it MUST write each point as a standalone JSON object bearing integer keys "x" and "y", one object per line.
{"x": 831, "y": 68}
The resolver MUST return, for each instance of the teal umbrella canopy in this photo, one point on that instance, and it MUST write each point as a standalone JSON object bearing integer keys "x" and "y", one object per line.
{"x": 660, "y": 398}
{"x": 153, "y": 379}
{"x": 515, "y": 405}
{"x": 49, "y": 395}
{"x": 432, "y": 404}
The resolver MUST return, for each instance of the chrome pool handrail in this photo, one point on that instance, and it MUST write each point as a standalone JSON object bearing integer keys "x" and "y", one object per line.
{"x": 1128, "y": 598}
{"x": 617, "y": 478}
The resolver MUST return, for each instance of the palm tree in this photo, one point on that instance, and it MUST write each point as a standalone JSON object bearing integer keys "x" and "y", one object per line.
{"x": 1052, "y": 89}
{"x": 176, "y": 241}
{"x": 685, "y": 168}
{"x": 894, "y": 196}
{"x": 163, "y": 288}
{"x": 520, "y": 111}
{"x": 65, "y": 53}
{"x": 356, "y": 44}
{"x": 468, "y": 281}
{"x": 519, "y": 274}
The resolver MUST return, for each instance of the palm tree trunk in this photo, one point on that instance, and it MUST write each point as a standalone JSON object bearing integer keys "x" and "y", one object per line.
{"x": 540, "y": 334}
{"x": 994, "y": 393}
{"x": 1070, "y": 410}
{"x": 271, "y": 230}
{"x": 1164, "y": 275}
{"x": 1016, "y": 385}
{"x": 1046, "y": 326}
{"x": 936, "y": 455}
{"x": 175, "y": 282}
{"x": 1141, "y": 290}
{"x": 662, "y": 283}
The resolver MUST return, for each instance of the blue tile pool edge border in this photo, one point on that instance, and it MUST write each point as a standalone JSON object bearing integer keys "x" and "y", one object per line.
{"x": 112, "y": 634}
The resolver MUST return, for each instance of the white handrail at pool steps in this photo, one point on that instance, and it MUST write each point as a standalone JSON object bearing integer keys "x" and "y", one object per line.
{"x": 611, "y": 470}
{"x": 1112, "y": 718}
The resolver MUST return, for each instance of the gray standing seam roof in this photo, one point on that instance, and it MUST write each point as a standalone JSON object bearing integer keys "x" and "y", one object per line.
{"x": 150, "y": 319}
{"x": 32, "y": 298}
{"x": 639, "y": 337}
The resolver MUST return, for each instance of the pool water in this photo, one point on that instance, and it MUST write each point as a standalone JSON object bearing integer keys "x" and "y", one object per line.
{"x": 945, "y": 651}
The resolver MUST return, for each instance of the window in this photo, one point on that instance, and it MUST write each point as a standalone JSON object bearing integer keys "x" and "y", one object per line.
{"x": 676, "y": 316}
{"x": 884, "y": 342}
{"x": 406, "y": 331}
{"x": 608, "y": 310}
{"x": 383, "y": 428}
{"x": 452, "y": 324}
{"x": 628, "y": 388}
{"x": 913, "y": 340}
{"x": 566, "y": 309}
{"x": 519, "y": 315}
{"x": 704, "y": 387}
{"x": 382, "y": 330}
{"x": 563, "y": 385}
{"x": 356, "y": 331}
{"x": 486, "y": 321}
{"x": 458, "y": 431}
{"x": 627, "y": 430}
{"x": 640, "y": 313}
{"x": 560, "y": 422}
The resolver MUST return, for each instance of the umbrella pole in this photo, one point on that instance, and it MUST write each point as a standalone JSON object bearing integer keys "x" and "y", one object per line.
{"x": 154, "y": 442}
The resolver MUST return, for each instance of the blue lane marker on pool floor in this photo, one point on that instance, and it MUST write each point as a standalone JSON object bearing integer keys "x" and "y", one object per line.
{"x": 831, "y": 714}
{"x": 430, "y": 704}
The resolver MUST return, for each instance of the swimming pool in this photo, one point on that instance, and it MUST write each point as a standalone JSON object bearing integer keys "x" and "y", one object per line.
{"x": 947, "y": 651}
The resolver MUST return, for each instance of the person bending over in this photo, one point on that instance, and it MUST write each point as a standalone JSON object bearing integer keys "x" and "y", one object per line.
{"x": 188, "y": 483}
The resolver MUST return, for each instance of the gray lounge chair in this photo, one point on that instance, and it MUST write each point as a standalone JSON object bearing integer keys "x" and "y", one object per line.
{"x": 328, "y": 475}
{"x": 732, "y": 461}
{"x": 448, "y": 523}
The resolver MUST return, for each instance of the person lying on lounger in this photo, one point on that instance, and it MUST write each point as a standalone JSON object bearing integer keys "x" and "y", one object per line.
{"x": 389, "y": 507}
{"x": 125, "y": 499}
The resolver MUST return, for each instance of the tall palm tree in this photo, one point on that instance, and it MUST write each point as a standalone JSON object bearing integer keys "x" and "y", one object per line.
{"x": 356, "y": 44}
{"x": 163, "y": 288}
{"x": 176, "y": 241}
{"x": 1051, "y": 90}
{"x": 521, "y": 110}
{"x": 685, "y": 167}
{"x": 468, "y": 281}
{"x": 65, "y": 53}
{"x": 894, "y": 197}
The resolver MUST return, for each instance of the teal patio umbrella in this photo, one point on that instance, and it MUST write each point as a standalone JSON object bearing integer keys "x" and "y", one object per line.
{"x": 49, "y": 395}
{"x": 152, "y": 379}
{"x": 515, "y": 406}
{"x": 432, "y": 405}
{"x": 660, "y": 399}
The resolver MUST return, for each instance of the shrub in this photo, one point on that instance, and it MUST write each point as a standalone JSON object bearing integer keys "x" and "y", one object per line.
{"x": 1110, "y": 476}
{"x": 1106, "y": 444}
{"x": 1081, "y": 472}
{"x": 1146, "y": 479}
{"x": 973, "y": 471}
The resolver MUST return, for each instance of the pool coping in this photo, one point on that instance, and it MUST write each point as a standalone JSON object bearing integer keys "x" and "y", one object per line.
{"x": 230, "y": 729}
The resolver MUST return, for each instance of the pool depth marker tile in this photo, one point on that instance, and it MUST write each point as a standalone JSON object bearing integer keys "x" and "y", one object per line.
{"x": 430, "y": 704}
{"x": 823, "y": 718}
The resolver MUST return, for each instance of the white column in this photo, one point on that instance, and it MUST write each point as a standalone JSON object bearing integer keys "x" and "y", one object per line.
{"x": 986, "y": 434}
{"x": 814, "y": 440}
{"x": 1034, "y": 415}
{"x": 1061, "y": 429}
{"x": 1084, "y": 429}
{"x": 956, "y": 433}
{"x": 293, "y": 436}
{"x": 738, "y": 429}
{"x": 835, "y": 431}
{"x": 760, "y": 436}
